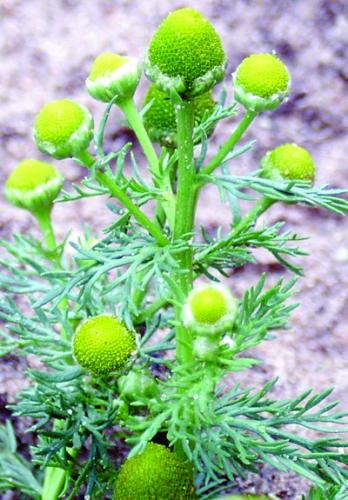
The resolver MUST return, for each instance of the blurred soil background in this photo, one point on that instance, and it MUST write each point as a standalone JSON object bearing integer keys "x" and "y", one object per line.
{"x": 47, "y": 47}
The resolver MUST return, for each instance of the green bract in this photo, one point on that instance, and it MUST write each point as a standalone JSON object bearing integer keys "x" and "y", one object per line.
{"x": 33, "y": 185}
{"x": 288, "y": 161}
{"x": 157, "y": 473}
{"x": 261, "y": 82}
{"x": 63, "y": 129}
{"x": 113, "y": 75}
{"x": 139, "y": 384}
{"x": 160, "y": 119}
{"x": 185, "y": 54}
{"x": 210, "y": 309}
{"x": 102, "y": 344}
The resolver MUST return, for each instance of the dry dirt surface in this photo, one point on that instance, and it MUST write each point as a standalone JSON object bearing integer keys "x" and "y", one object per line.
{"x": 46, "y": 51}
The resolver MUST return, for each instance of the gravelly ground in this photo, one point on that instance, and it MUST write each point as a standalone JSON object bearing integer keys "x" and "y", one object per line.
{"x": 46, "y": 50}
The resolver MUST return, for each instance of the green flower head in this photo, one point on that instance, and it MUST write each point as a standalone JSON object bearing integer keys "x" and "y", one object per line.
{"x": 288, "y": 161}
{"x": 113, "y": 75}
{"x": 261, "y": 82}
{"x": 102, "y": 344}
{"x": 160, "y": 117}
{"x": 210, "y": 310}
{"x": 157, "y": 473}
{"x": 63, "y": 129}
{"x": 185, "y": 54}
{"x": 33, "y": 185}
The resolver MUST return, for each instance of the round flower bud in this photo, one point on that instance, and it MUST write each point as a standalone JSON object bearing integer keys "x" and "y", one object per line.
{"x": 102, "y": 344}
{"x": 288, "y": 161}
{"x": 155, "y": 473}
{"x": 210, "y": 310}
{"x": 33, "y": 185}
{"x": 160, "y": 118}
{"x": 261, "y": 82}
{"x": 113, "y": 75}
{"x": 185, "y": 54}
{"x": 63, "y": 129}
{"x": 137, "y": 385}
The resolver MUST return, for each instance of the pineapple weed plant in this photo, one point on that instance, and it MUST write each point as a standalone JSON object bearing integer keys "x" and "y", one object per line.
{"x": 131, "y": 348}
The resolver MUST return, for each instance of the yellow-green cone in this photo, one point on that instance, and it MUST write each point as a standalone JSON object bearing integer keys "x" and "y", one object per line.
{"x": 185, "y": 54}
{"x": 63, "y": 129}
{"x": 157, "y": 473}
{"x": 288, "y": 161}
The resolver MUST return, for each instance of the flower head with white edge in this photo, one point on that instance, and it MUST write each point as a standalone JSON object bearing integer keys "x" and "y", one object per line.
{"x": 63, "y": 129}
{"x": 113, "y": 76}
{"x": 261, "y": 82}
{"x": 33, "y": 185}
{"x": 210, "y": 310}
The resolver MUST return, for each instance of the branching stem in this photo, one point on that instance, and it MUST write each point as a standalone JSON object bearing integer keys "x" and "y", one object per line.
{"x": 122, "y": 197}
{"x": 136, "y": 123}
{"x": 258, "y": 209}
{"x": 230, "y": 143}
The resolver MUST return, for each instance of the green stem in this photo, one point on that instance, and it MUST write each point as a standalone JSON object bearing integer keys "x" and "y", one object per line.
{"x": 151, "y": 310}
{"x": 53, "y": 483}
{"x": 135, "y": 121}
{"x": 258, "y": 209}
{"x": 230, "y": 143}
{"x": 86, "y": 158}
{"x": 139, "y": 216}
{"x": 163, "y": 209}
{"x": 55, "y": 477}
{"x": 118, "y": 193}
{"x": 44, "y": 220}
{"x": 184, "y": 221}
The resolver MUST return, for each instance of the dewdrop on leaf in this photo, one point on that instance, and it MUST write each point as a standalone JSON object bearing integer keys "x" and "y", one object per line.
{"x": 288, "y": 161}
{"x": 210, "y": 310}
{"x": 113, "y": 75}
{"x": 160, "y": 118}
{"x": 102, "y": 344}
{"x": 185, "y": 54}
{"x": 33, "y": 185}
{"x": 63, "y": 129}
{"x": 157, "y": 473}
{"x": 261, "y": 82}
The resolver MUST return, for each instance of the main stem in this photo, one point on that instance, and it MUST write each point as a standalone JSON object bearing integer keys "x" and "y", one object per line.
{"x": 54, "y": 483}
{"x": 184, "y": 221}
